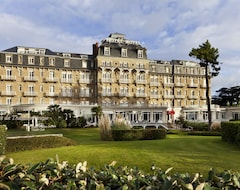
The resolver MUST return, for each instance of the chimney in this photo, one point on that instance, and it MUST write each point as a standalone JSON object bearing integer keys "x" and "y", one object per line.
{"x": 95, "y": 49}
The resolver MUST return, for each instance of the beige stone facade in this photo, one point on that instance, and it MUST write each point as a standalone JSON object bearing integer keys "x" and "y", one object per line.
{"x": 118, "y": 76}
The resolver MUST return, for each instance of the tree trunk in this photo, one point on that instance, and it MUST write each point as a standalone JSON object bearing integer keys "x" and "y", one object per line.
{"x": 208, "y": 98}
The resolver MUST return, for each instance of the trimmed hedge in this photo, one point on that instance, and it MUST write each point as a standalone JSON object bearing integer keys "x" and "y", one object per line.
{"x": 140, "y": 134}
{"x": 231, "y": 132}
{"x": 21, "y": 144}
{"x": 3, "y": 136}
{"x": 56, "y": 175}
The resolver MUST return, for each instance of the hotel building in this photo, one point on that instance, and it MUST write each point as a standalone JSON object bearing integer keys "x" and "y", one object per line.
{"x": 118, "y": 76}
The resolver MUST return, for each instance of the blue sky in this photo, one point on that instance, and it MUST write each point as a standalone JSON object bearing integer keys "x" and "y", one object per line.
{"x": 169, "y": 29}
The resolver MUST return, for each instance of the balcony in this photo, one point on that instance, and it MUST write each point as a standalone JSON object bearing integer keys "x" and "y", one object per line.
{"x": 51, "y": 79}
{"x": 154, "y": 83}
{"x": 168, "y": 84}
{"x": 193, "y": 85}
{"x": 8, "y": 77}
{"x": 85, "y": 81}
{"x": 30, "y": 79}
{"x": 124, "y": 94}
{"x": 193, "y": 97}
{"x": 141, "y": 81}
{"x": 179, "y": 96}
{"x": 108, "y": 80}
{"x": 63, "y": 80}
{"x": 51, "y": 94}
{"x": 138, "y": 95}
{"x": 203, "y": 97}
{"x": 124, "y": 81}
{"x": 82, "y": 95}
{"x": 106, "y": 94}
{"x": 168, "y": 96}
{"x": 29, "y": 93}
{"x": 154, "y": 96}
{"x": 8, "y": 93}
{"x": 179, "y": 84}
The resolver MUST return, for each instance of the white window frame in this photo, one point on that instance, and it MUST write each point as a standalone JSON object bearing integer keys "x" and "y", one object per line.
{"x": 139, "y": 53}
{"x": 106, "y": 50}
{"x": 124, "y": 52}
{"x": 9, "y": 58}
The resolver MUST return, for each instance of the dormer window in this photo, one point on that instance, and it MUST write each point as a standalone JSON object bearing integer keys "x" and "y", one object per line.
{"x": 106, "y": 50}
{"x": 8, "y": 58}
{"x": 66, "y": 63}
{"x": 31, "y": 60}
{"x": 140, "y": 53}
{"x": 124, "y": 52}
{"x": 51, "y": 61}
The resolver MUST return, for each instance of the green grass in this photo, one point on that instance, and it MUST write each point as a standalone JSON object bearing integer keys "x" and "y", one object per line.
{"x": 189, "y": 154}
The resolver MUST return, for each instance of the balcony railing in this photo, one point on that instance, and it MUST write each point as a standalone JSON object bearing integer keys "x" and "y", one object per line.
{"x": 86, "y": 81}
{"x": 154, "y": 96}
{"x": 85, "y": 95}
{"x": 179, "y": 96}
{"x": 168, "y": 84}
{"x": 193, "y": 97}
{"x": 8, "y": 93}
{"x": 51, "y": 79}
{"x": 51, "y": 94}
{"x": 168, "y": 96}
{"x": 29, "y": 93}
{"x": 154, "y": 83}
{"x": 179, "y": 84}
{"x": 31, "y": 79}
{"x": 126, "y": 94}
{"x": 124, "y": 81}
{"x": 106, "y": 94}
{"x": 141, "y": 81}
{"x": 141, "y": 94}
{"x": 193, "y": 85}
{"x": 8, "y": 77}
{"x": 66, "y": 80}
{"x": 107, "y": 80}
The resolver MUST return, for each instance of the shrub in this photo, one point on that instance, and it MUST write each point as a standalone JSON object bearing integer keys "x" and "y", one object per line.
{"x": 230, "y": 131}
{"x": 20, "y": 144}
{"x": 60, "y": 175}
{"x": 141, "y": 134}
{"x": 3, "y": 136}
{"x": 120, "y": 124}
{"x": 197, "y": 126}
{"x": 104, "y": 124}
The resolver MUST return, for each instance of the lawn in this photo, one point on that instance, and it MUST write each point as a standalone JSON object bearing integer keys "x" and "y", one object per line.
{"x": 189, "y": 154}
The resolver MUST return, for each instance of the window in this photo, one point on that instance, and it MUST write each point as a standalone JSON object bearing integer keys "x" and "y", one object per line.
{"x": 41, "y": 88}
{"x": 20, "y": 87}
{"x": 106, "y": 50}
{"x": 9, "y": 88}
{"x": 52, "y": 61}
{"x": 140, "y": 53}
{"x": 31, "y": 60}
{"x": 41, "y": 72}
{"x": 20, "y": 59}
{"x": 20, "y": 72}
{"x": 9, "y": 101}
{"x": 66, "y": 63}
{"x": 9, "y": 73}
{"x": 51, "y": 74}
{"x": 30, "y": 100}
{"x": 41, "y": 60}
{"x": 84, "y": 64}
{"x": 52, "y": 89}
{"x": 8, "y": 58}
{"x": 124, "y": 52}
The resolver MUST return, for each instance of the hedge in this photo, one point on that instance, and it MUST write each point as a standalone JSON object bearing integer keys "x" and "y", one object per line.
{"x": 139, "y": 134}
{"x": 31, "y": 143}
{"x": 231, "y": 132}
{"x": 56, "y": 175}
{"x": 3, "y": 135}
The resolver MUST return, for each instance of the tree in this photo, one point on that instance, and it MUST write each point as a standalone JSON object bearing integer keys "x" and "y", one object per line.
{"x": 56, "y": 116}
{"x": 97, "y": 110}
{"x": 208, "y": 56}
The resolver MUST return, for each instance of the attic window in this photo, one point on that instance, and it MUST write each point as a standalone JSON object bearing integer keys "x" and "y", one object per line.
{"x": 106, "y": 50}
{"x": 140, "y": 53}
{"x": 8, "y": 58}
{"x": 124, "y": 52}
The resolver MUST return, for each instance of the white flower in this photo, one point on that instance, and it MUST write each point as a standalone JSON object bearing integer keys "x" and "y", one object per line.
{"x": 130, "y": 178}
{"x": 44, "y": 180}
{"x": 81, "y": 167}
{"x": 11, "y": 161}
{"x": 154, "y": 178}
